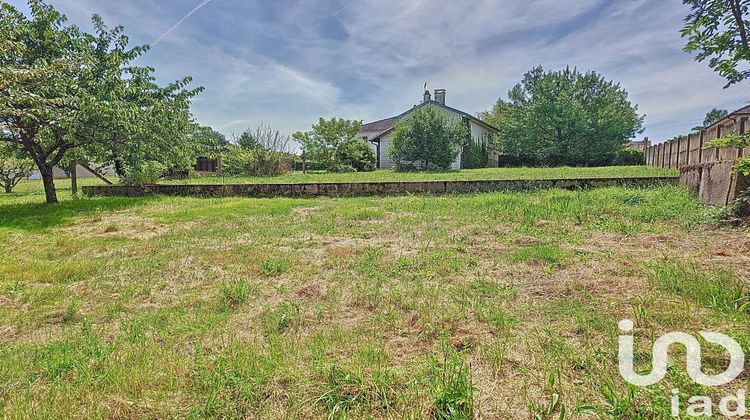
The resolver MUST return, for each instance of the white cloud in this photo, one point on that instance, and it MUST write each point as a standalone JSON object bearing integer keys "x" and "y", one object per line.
{"x": 288, "y": 62}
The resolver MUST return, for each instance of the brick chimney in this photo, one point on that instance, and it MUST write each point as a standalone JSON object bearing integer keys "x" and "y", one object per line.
{"x": 440, "y": 96}
{"x": 426, "y": 97}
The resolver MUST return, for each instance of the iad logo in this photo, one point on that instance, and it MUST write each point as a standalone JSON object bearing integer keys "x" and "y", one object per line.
{"x": 660, "y": 357}
{"x": 699, "y": 405}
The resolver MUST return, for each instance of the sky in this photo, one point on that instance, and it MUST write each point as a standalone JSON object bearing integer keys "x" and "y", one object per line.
{"x": 289, "y": 62}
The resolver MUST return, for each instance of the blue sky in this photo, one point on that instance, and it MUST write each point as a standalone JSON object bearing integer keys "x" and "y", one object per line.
{"x": 288, "y": 62}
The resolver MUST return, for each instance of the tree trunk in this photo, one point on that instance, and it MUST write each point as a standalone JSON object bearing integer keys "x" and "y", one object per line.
{"x": 119, "y": 168}
{"x": 49, "y": 184}
{"x": 8, "y": 188}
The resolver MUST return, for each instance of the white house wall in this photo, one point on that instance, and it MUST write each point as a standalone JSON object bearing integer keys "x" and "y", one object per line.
{"x": 478, "y": 132}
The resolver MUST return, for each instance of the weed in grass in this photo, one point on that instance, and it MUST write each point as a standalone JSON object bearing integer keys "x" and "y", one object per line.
{"x": 494, "y": 353}
{"x": 452, "y": 384}
{"x": 552, "y": 407}
{"x": 549, "y": 254}
{"x": 111, "y": 228}
{"x": 71, "y": 312}
{"x": 284, "y": 318}
{"x": 274, "y": 267}
{"x": 235, "y": 292}
{"x": 717, "y": 289}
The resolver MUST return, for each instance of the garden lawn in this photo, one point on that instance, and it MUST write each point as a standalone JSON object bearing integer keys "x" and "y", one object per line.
{"x": 500, "y": 305}
{"x": 463, "y": 175}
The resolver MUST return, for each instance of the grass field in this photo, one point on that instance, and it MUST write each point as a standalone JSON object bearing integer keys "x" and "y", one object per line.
{"x": 473, "y": 174}
{"x": 493, "y": 305}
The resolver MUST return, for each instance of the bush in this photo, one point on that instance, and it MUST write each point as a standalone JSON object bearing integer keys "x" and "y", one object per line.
{"x": 475, "y": 155}
{"x": 427, "y": 140}
{"x": 358, "y": 155}
{"x": 144, "y": 173}
{"x": 257, "y": 161}
{"x": 629, "y": 157}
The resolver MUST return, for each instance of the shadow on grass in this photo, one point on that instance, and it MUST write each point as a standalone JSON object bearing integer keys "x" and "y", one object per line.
{"x": 39, "y": 216}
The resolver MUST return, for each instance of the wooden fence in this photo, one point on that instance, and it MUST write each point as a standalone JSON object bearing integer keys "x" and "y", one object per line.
{"x": 691, "y": 149}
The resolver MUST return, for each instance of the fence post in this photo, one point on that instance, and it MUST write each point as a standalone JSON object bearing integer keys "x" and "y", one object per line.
{"x": 74, "y": 178}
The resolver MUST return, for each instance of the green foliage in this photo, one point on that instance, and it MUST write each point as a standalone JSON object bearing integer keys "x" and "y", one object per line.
{"x": 208, "y": 142}
{"x": 334, "y": 144}
{"x": 283, "y": 318}
{"x": 14, "y": 166}
{"x": 452, "y": 384}
{"x": 717, "y": 30}
{"x": 475, "y": 155}
{"x": 234, "y": 293}
{"x": 257, "y": 161}
{"x": 629, "y": 156}
{"x": 358, "y": 155}
{"x": 426, "y": 140}
{"x": 718, "y": 289}
{"x": 564, "y": 118}
{"x": 712, "y": 117}
{"x": 65, "y": 91}
{"x": 144, "y": 173}
{"x": 734, "y": 141}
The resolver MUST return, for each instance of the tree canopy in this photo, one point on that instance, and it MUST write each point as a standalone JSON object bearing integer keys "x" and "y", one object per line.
{"x": 712, "y": 117}
{"x": 717, "y": 30}
{"x": 427, "y": 139}
{"x": 334, "y": 144}
{"x": 65, "y": 93}
{"x": 564, "y": 118}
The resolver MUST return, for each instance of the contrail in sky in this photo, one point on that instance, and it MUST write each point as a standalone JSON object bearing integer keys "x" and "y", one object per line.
{"x": 190, "y": 13}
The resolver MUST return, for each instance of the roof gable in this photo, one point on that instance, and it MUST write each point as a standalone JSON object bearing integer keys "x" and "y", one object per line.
{"x": 393, "y": 120}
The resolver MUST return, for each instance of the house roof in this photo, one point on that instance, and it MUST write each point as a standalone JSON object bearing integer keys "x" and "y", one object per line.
{"x": 389, "y": 124}
{"x": 381, "y": 125}
{"x": 745, "y": 110}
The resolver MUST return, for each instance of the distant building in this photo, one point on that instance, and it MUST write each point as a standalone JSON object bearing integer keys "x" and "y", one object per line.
{"x": 640, "y": 144}
{"x": 380, "y": 133}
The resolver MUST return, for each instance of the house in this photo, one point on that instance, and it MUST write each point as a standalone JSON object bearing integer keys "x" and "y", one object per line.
{"x": 640, "y": 144}
{"x": 380, "y": 133}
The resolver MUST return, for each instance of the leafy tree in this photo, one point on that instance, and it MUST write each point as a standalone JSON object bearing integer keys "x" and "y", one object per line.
{"x": 332, "y": 143}
{"x": 564, "y": 118}
{"x": 208, "y": 142}
{"x": 427, "y": 139}
{"x": 64, "y": 93}
{"x": 712, "y": 117}
{"x": 14, "y": 166}
{"x": 717, "y": 30}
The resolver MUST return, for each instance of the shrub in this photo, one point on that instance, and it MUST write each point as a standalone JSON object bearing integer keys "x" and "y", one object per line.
{"x": 629, "y": 157}
{"x": 475, "y": 155}
{"x": 144, "y": 173}
{"x": 358, "y": 155}
{"x": 257, "y": 161}
{"x": 427, "y": 140}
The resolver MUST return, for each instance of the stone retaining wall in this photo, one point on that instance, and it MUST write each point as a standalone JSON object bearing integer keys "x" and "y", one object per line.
{"x": 352, "y": 189}
{"x": 714, "y": 182}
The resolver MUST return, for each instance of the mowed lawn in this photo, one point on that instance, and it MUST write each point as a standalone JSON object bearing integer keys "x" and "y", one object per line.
{"x": 385, "y": 175}
{"x": 499, "y": 305}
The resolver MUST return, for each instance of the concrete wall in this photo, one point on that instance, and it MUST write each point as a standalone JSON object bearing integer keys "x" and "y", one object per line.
{"x": 714, "y": 182}
{"x": 349, "y": 189}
